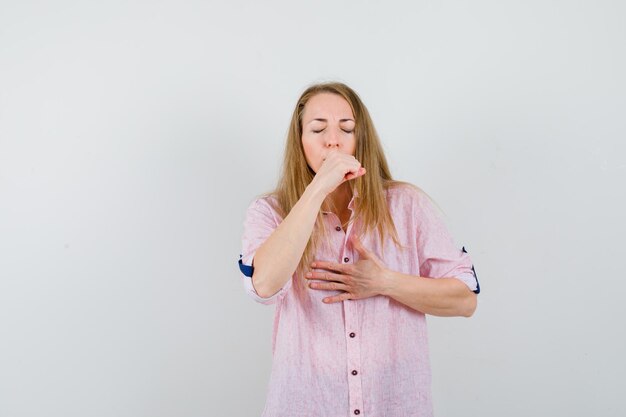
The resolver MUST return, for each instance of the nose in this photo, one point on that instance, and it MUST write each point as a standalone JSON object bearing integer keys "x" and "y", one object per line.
{"x": 332, "y": 140}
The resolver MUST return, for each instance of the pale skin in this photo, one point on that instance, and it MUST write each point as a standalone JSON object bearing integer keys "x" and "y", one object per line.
{"x": 329, "y": 145}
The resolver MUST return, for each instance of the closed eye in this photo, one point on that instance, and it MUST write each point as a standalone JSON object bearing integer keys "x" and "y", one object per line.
{"x": 344, "y": 130}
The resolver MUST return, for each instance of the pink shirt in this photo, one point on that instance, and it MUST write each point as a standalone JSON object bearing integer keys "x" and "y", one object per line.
{"x": 366, "y": 357}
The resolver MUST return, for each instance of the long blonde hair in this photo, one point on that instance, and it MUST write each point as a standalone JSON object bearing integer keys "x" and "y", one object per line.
{"x": 370, "y": 206}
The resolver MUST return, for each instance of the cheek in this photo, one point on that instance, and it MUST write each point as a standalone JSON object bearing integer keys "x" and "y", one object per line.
{"x": 311, "y": 154}
{"x": 351, "y": 146}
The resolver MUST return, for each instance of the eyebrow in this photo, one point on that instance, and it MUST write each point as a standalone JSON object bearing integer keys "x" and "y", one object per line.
{"x": 326, "y": 120}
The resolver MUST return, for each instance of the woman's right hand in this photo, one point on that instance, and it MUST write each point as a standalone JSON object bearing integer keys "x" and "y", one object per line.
{"x": 337, "y": 168}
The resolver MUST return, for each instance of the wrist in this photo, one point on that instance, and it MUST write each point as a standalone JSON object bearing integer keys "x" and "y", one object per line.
{"x": 389, "y": 282}
{"x": 314, "y": 193}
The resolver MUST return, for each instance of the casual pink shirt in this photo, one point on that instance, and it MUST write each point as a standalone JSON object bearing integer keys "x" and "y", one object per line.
{"x": 366, "y": 357}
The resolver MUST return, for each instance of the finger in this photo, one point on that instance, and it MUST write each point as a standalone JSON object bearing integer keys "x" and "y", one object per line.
{"x": 328, "y": 286}
{"x": 332, "y": 152}
{"x": 350, "y": 176}
{"x": 330, "y": 266}
{"x": 337, "y": 298}
{"x": 364, "y": 253}
{"x": 324, "y": 275}
{"x": 334, "y": 155}
{"x": 352, "y": 169}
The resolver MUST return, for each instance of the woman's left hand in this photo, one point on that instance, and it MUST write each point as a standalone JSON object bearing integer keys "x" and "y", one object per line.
{"x": 365, "y": 278}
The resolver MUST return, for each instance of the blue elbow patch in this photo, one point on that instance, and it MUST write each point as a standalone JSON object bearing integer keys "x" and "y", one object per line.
{"x": 247, "y": 270}
{"x": 477, "y": 290}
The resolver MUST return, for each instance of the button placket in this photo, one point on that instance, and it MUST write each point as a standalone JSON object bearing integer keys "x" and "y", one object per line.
{"x": 347, "y": 255}
{"x": 353, "y": 346}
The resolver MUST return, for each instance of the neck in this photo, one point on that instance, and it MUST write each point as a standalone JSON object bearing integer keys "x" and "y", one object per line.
{"x": 338, "y": 200}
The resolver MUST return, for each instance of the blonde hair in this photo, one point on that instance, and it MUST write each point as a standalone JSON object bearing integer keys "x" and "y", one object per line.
{"x": 371, "y": 206}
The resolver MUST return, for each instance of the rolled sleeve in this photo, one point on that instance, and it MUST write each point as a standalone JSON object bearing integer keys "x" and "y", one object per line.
{"x": 439, "y": 256}
{"x": 470, "y": 280}
{"x": 261, "y": 220}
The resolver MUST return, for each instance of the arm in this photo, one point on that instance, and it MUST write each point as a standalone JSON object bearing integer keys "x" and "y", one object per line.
{"x": 278, "y": 257}
{"x": 439, "y": 297}
{"x": 370, "y": 277}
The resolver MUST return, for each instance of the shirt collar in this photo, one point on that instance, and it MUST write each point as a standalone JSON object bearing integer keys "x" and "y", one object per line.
{"x": 355, "y": 195}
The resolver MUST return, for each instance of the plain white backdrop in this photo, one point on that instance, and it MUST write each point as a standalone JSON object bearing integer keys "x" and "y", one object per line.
{"x": 133, "y": 135}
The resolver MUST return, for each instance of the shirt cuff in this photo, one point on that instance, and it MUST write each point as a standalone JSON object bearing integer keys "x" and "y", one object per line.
{"x": 246, "y": 268}
{"x": 469, "y": 279}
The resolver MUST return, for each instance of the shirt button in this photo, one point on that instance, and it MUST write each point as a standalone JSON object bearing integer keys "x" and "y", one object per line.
{"x": 346, "y": 260}
{"x": 352, "y": 334}
{"x": 354, "y": 372}
{"x": 338, "y": 228}
{"x": 357, "y": 412}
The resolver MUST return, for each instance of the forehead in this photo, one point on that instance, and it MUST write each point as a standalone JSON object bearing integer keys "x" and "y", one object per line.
{"x": 327, "y": 106}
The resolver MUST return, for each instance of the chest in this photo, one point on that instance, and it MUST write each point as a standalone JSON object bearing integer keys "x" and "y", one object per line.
{"x": 344, "y": 218}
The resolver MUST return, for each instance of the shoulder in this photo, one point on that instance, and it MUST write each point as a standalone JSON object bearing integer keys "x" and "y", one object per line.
{"x": 405, "y": 193}
{"x": 264, "y": 200}
{"x": 265, "y": 205}
{"x": 406, "y": 199}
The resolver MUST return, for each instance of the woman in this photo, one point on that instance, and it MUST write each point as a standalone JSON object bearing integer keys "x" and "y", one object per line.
{"x": 348, "y": 255}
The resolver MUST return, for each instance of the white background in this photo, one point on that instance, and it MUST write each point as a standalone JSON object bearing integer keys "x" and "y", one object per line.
{"x": 133, "y": 135}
